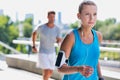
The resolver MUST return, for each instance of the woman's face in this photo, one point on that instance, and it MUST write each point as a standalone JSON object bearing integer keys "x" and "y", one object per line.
{"x": 88, "y": 15}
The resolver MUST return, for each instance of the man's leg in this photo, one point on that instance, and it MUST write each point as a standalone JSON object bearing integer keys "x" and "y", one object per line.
{"x": 47, "y": 73}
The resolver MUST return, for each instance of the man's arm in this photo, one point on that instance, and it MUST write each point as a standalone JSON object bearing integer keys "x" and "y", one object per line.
{"x": 34, "y": 37}
{"x": 59, "y": 40}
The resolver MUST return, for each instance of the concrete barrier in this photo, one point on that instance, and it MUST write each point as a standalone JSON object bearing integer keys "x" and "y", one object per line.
{"x": 29, "y": 63}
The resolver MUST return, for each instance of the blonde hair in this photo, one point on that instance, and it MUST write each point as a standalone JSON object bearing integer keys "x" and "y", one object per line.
{"x": 86, "y": 2}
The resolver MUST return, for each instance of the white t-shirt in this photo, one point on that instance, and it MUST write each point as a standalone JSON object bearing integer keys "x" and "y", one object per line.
{"x": 47, "y": 38}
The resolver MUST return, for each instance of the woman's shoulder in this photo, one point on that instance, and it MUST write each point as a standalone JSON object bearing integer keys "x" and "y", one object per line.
{"x": 70, "y": 35}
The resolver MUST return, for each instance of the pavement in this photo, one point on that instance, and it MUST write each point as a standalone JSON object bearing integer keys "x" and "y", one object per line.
{"x": 111, "y": 72}
{"x": 115, "y": 69}
{"x": 8, "y": 73}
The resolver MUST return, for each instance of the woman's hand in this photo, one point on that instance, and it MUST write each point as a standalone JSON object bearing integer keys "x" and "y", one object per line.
{"x": 85, "y": 70}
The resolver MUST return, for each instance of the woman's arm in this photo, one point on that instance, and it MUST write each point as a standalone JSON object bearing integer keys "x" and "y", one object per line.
{"x": 69, "y": 69}
{"x": 99, "y": 69}
{"x": 84, "y": 70}
{"x": 66, "y": 46}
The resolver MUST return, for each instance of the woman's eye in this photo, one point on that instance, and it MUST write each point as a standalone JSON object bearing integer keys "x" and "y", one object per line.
{"x": 87, "y": 14}
{"x": 95, "y": 14}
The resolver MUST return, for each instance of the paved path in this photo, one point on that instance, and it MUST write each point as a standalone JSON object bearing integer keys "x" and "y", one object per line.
{"x": 111, "y": 72}
{"x": 7, "y": 73}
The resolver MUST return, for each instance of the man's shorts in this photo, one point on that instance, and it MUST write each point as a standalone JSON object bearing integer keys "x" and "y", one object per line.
{"x": 46, "y": 61}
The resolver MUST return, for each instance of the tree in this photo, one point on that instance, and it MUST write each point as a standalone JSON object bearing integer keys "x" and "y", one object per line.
{"x": 27, "y": 30}
{"x": 3, "y": 35}
{"x": 99, "y": 24}
{"x": 110, "y": 21}
{"x": 5, "y": 22}
{"x": 74, "y": 25}
{"x": 29, "y": 20}
{"x": 8, "y": 31}
{"x": 13, "y": 34}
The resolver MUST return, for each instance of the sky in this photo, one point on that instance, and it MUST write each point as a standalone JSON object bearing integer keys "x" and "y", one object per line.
{"x": 68, "y": 8}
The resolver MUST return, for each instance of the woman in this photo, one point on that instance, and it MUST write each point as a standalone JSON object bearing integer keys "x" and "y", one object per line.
{"x": 81, "y": 47}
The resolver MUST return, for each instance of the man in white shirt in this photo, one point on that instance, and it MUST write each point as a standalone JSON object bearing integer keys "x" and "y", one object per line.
{"x": 49, "y": 34}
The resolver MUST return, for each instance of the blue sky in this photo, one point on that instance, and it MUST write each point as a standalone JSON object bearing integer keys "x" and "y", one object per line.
{"x": 69, "y": 9}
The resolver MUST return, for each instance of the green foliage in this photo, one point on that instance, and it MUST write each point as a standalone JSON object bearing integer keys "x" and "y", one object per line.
{"x": 27, "y": 31}
{"x": 21, "y": 48}
{"x": 111, "y": 32}
{"x": 117, "y": 32}
{"x": 8, "y": 32}
{"x": 3, "y": 35}
{"x": 99, "y": 24}
{"x": 110, "y": 21}
{"x": 109, "y": 28}
{"x": 74, "y": 25}
{"x": 29, "y": 20}
{"x": 110, "y": 55}
{"x": 5, "y": 23}
{"x": 13, "y": 32}
{"x": 57, "y": 49}
{"x": 4, "y": 20}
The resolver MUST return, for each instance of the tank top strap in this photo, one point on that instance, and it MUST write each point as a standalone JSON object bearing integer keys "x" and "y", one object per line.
{"x": 76, "y": 35}
{"x": 95, "y": 35}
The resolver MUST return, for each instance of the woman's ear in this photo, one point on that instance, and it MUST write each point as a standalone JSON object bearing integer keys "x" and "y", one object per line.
{"x": 78, "y": 15}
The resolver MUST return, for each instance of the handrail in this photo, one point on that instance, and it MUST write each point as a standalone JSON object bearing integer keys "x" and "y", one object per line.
{"x": 110, "y": 49}
{"x": 26, "y": 42}
{"x": 10, "y": 48}
{"x": 111, "y": 43}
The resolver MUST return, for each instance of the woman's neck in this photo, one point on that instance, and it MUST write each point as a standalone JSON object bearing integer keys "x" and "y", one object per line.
{"x": 85, "y": 32}
{"x": 86, "y": 35}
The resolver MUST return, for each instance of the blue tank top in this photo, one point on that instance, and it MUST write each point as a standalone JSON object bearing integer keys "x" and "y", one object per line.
{"x": 84, "y": 54}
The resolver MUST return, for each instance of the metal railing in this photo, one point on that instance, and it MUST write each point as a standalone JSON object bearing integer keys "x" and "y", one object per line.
{"x": 110, "y": 49}
{"x": 10, "y": 48}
